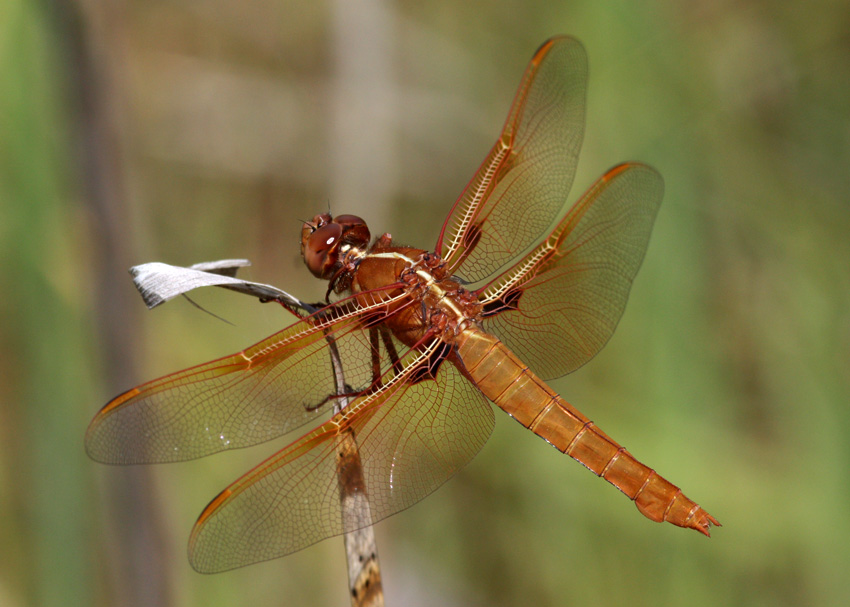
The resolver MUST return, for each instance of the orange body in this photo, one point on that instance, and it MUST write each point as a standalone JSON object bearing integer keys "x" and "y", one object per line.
{"x": 400, "y": 369}
{"x": 506, "y": 381}
{"x": 510, "y": 384}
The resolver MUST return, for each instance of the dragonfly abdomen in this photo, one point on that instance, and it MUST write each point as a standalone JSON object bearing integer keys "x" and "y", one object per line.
{"x": 507, "y": 382}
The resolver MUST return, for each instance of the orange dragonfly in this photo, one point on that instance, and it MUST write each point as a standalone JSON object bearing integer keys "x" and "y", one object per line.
{"x": 426, "y": 339}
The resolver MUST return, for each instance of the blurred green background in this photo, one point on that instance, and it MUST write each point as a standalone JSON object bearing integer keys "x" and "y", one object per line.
{"x": 192, "y": 130}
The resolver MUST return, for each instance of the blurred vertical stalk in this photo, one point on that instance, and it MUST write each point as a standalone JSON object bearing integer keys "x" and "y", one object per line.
{"x": 361, "y": 550}
{"x": 363, "y": 155}
{"x": 363, "y": 178}
{"x": 45, "y": 539}
{"x": 90, "y": 36}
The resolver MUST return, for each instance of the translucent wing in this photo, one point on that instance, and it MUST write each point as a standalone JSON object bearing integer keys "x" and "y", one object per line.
{"x": 526, "y": 177}
{"x": 250, "y": 397}
{"x": 413, "y": 434}
{"x": 560, "y": 304}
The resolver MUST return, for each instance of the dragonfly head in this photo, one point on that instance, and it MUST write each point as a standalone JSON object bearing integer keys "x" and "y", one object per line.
{"x": 326, "y": 240}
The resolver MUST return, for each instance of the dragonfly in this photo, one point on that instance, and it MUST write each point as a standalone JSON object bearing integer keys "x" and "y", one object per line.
{"x": 520, "y": 288}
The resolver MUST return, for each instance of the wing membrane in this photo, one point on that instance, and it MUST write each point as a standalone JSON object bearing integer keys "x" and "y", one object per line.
{"x": 560, "y": 304}
{"x": 412, "y": 437}
{"x": 528, "y": 173}
{"x": 244, "y": 399}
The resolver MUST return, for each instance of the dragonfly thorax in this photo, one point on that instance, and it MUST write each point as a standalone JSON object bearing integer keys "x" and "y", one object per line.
{"x": 438, "y": 306}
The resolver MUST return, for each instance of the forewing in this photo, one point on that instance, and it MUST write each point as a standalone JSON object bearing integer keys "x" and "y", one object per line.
{"x": 526, "y": 177}
{"x": 558, "y": 306}
{"x": 250, "y": 397}
{"x": 412, "y": 437}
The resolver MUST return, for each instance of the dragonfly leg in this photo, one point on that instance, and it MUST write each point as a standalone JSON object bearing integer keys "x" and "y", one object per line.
{"x": 386, "y": 337}
{"x": 350, "y": 392}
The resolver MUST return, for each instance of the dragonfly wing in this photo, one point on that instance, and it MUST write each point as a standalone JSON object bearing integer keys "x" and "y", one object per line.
{"x": 559, "y": 305}
{"x": 525, "y": 179}
{"x": 244, "y": 399}
{"x": 413, "y": 433}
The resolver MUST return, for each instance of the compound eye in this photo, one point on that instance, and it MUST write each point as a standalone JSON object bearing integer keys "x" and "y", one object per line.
{"x": 320, "y": 252}
{"x": 356, "y": 232}
{"x": 349, "y": 220}
{"x": 311, "y": 226}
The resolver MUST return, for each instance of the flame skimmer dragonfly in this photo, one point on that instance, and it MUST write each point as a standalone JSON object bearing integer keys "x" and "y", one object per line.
{"x": 423, "y": 350}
